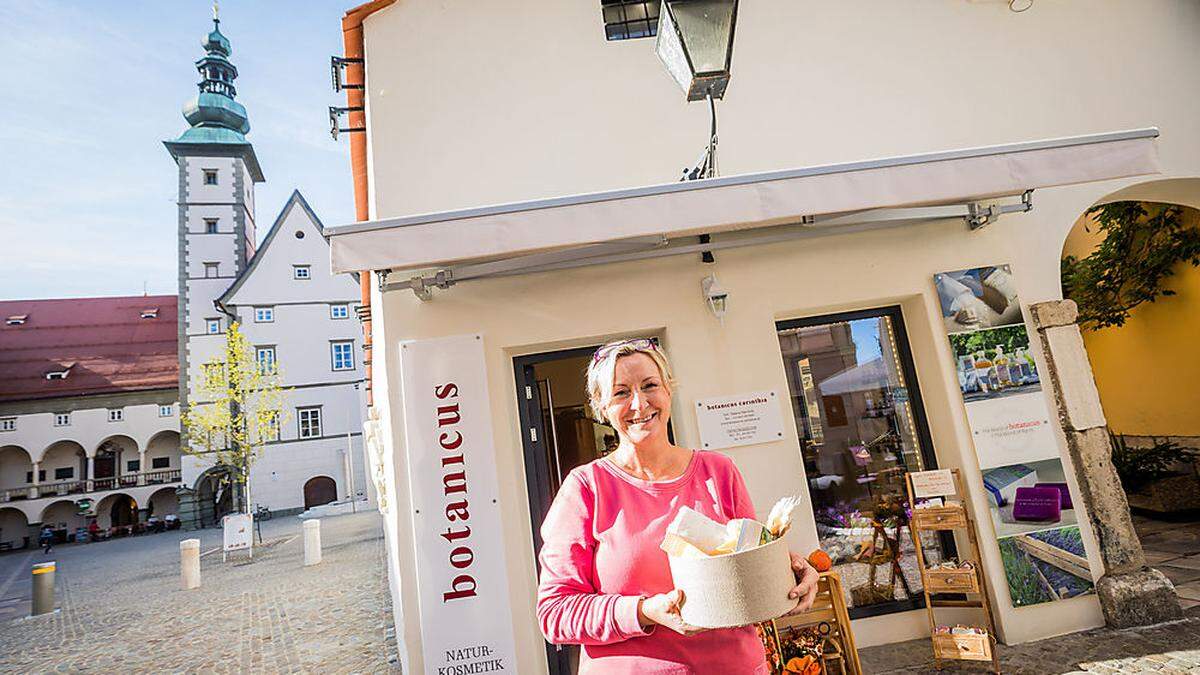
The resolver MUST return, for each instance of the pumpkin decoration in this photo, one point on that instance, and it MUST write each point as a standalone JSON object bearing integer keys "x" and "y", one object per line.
{"x": 820, "y": 560}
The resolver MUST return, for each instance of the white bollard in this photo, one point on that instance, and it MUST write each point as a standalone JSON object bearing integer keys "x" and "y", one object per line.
{"x": 312, "y": 542}
{"x": 189, "y": 563}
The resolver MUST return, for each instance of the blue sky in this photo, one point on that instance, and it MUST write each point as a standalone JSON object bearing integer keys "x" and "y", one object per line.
{"x": 87, "y": 191}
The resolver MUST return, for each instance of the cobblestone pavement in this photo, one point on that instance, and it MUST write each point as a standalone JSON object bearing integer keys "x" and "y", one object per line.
{"x": 121, "y": 609}
{"x": 1171, "y": 547}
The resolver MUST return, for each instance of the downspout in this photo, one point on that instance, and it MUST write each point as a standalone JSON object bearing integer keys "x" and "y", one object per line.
{"x": 352, "y": 41}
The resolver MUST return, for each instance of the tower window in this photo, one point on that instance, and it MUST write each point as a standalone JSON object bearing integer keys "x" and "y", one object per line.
{"x": 210, "y": 176}
{"x": 210, "y": 225}
{"x": 628, "y": 19}
{"x": 211, "y": 270}
{"x": 212, "y": 326}
{"x": 301, "y": 272}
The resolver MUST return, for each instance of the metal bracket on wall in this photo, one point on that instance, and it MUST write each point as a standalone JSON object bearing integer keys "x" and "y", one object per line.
{"x": 337, "y": 69}
{"x": 979, "y": 215}
{"x": 335, "y": 120}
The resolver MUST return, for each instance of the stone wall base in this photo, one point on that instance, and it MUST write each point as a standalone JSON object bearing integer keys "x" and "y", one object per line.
{"x": 1140, "y": 598}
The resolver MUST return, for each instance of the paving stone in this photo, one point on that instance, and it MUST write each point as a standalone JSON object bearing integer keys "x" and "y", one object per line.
{"x": 121, "y": 608}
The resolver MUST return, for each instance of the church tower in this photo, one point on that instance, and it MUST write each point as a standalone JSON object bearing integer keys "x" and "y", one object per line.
{"x": 217, "y": 173}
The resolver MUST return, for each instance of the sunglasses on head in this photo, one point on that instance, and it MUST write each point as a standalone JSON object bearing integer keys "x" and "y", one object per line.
{"x": 638, "y": 344}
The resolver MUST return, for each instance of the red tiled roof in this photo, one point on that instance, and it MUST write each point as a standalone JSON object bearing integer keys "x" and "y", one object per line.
{"x": 112, "y": 347}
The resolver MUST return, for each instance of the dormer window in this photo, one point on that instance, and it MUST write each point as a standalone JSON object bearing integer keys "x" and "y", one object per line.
{"x": 16, "y": 320}
{"x": 61, "y": 373}
{"x": 151, "y": 313}
{"x": 301, "y": 271}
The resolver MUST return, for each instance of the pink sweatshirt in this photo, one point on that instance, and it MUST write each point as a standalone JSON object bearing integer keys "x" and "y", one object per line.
{"x": 600, "y": 554}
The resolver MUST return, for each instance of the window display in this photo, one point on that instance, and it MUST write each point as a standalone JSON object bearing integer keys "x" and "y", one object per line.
{"x": 857, "y": 411}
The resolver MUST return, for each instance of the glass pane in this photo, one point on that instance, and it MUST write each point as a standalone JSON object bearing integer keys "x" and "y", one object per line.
{"x": 859, "y": 438}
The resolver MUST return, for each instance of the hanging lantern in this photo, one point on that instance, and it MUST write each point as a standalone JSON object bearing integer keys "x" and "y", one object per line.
{"x": 695, "y": 43}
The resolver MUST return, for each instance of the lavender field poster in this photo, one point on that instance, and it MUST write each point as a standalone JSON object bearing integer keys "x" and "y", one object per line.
{"x": 1030, "y": 504}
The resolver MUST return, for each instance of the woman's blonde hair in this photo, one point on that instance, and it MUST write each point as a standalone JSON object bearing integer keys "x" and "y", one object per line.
{"x": 603, "y": 369}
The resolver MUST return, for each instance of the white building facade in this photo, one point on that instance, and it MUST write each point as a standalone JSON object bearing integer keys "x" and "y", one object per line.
{"x": 297, "y": 316}
{"x": 572, "y": 133}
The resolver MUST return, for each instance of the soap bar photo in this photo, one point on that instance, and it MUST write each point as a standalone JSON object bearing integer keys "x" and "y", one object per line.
{"x": 1042, "y": 504}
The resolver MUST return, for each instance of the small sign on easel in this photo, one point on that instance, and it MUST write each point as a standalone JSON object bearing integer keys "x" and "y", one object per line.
{"x": 239, "y": 534}
{"x": 937, "y": 483}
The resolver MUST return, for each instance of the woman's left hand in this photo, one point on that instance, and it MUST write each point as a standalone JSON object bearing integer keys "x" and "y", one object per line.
{"x": 806, "y": 588}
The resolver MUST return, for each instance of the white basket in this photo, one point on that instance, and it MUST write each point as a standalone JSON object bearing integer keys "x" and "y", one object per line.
{"x": 736, "y": 589}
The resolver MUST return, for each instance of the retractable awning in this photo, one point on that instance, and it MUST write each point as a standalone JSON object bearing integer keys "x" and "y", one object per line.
{"x": 440, "y": 249}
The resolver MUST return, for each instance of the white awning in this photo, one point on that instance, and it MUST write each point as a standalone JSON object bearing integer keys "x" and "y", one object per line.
{"x": 558, "y": 232}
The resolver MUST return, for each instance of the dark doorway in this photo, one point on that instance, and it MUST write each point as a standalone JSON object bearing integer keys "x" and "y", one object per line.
{"x": 557, "y": 434}
{"x": 105, "y": 463}
{"x": 124, "y": 511}
{"x": 319, "y": 490}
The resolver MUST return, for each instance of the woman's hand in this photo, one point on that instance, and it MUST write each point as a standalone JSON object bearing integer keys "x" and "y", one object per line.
{"x": 664, "y": 610}
{"x": 806, "y": 587}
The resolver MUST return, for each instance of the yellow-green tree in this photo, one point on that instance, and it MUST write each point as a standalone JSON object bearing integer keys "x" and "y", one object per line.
{"x": 238, "y": 407}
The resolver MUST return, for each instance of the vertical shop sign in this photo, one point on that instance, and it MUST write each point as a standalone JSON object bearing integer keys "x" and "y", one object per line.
{"x": 462, "y": 581}
{"x": 1030, "y": 505}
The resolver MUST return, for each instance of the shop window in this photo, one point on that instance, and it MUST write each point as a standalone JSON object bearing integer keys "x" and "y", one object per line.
{"x": 628, "y": 19}
{"x": 858, "y": 414}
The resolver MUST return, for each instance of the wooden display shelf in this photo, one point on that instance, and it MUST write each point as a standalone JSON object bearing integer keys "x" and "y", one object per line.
{"x": 828, "y": 610}
{"x": 971, "y": 647}
{"x": 951, "y": 517}
{"x": 970, "y": 582}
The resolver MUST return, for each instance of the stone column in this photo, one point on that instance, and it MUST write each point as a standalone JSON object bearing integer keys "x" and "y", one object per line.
{"x": 35, "y": 491}
{"x": 141, "y": 472}
{"x": 1130, "y": 592}
{"x": 91, "y": 471}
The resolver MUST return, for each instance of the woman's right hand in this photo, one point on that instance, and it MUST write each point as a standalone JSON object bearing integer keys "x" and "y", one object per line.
{"x": 664, "y": 609}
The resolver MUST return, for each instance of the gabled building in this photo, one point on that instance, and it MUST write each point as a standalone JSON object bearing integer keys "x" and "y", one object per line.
{"x": 297, "y": 315}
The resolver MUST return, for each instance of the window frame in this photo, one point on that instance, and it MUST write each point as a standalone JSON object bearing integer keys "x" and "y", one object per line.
{"x": 345, "y": 307}
{"x": 617, "y": 31}
{"x": 29, "y": 476}
{"x": 154, "y": 463}
{"x": 306, "y": 269}
{"x": 209, "y": 323}
{"x": 166, "y": 410}
{"x": 210, "y": 225}
{"x": 59, "y": 475}
{"x": 214, "y": 267}
{"x": 59, "y": 416}
{"x": 300, "y": 422}
{"x": 259, "y": 350}
{"x": 133, "y": 465}
{"x": 904, "y": 356}
{"x": 333, "y": 355}
{"x": 8, "y": 424}
{"x": 268, "y": 312}
{"x": 210, "y": 177}
{"x": 116, "y": 414}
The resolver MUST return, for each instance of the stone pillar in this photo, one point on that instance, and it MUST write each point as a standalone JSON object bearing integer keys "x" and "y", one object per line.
{"x": 141, "y": 472}
{"x": 189, "y": 564}
{"x": 35, "y": 491}
{"x": 1130, "y": 592}
{"x": 91, "y": 470}
{"x": 312, "y": 542}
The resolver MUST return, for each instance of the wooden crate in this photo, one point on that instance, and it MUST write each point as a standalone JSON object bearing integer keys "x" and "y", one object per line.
{"x": 971, "y": 647}
{"x": 958, "y": 580}
{"x": 940, "y": 518}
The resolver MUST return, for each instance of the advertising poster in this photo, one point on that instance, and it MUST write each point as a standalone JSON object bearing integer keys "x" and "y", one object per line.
{"x": 238, "y": 533}
{"x": 1030, "y": 505}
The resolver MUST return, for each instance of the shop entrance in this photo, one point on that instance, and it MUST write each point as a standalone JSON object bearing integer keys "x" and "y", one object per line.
{"x": 558, "y": 434}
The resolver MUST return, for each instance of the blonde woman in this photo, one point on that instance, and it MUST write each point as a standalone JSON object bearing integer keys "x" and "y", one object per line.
{"x": 605, "y": 583}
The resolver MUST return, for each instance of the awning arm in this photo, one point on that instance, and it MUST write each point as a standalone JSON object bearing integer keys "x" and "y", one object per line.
{"x": 975, "y": 214}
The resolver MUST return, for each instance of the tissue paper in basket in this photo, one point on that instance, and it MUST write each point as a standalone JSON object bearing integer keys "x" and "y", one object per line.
{"x": 734, "y": 574}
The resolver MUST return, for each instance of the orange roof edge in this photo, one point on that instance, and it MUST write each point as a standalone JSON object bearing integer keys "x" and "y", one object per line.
{"x": 352, "y": 41}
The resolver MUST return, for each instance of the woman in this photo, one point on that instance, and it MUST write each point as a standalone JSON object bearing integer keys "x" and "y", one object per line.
{"x": 605, "y": 582}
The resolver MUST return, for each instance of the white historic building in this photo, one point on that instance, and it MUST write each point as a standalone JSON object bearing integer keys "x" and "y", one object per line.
{"x": 91, "y": 389}
{"x": 89, "y": 421}
{"x": 297, "y": 316}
